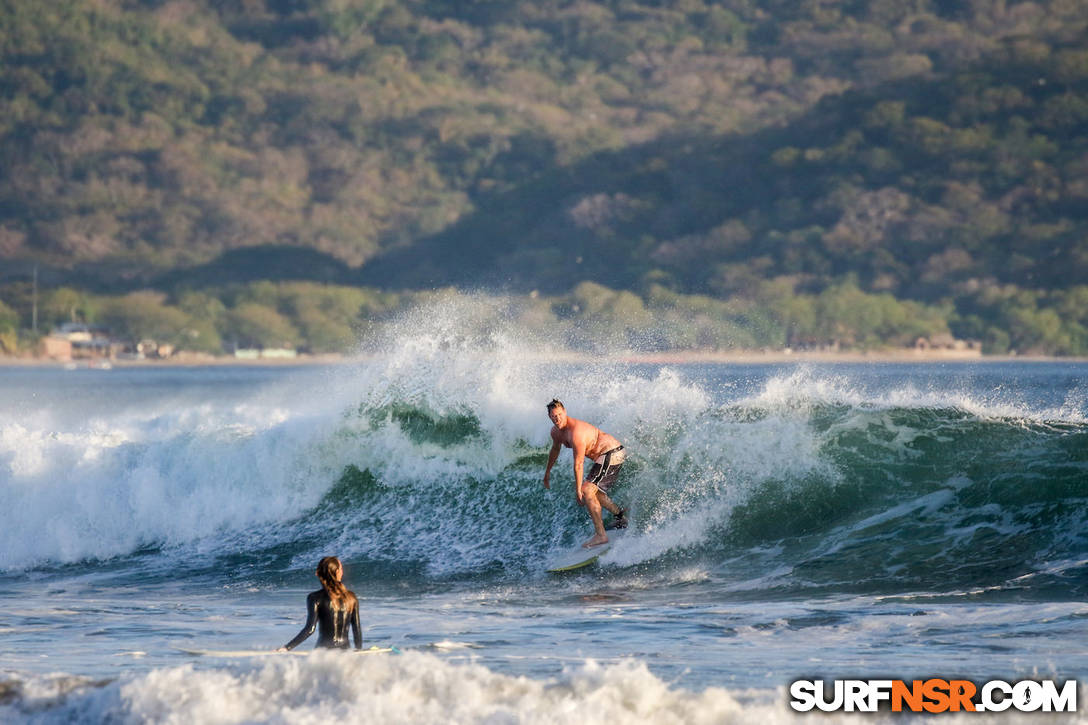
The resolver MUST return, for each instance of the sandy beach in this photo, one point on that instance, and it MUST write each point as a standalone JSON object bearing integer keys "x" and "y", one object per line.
{"x": 667, "y": 357}
{"x": 664, "y": 357}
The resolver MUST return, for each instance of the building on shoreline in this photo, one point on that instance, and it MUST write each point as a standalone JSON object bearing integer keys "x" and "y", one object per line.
{"x": 79, "y": 341}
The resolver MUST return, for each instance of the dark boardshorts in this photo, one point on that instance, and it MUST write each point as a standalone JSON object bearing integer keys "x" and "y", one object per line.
{"x": 606, "y": 469}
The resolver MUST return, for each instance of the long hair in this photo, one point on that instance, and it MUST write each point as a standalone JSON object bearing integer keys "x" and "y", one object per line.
{"x": 326, "y": 573}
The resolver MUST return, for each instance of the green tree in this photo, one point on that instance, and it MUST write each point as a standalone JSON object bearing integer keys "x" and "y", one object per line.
{"x": 256, "y": 325}
{"x": 66, "y": 304}
{"x": 143, "y": 316}
{"x": 9, "y": 329}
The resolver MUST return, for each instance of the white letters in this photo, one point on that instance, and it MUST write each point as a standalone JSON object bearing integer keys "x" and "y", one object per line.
{"x": 934, "y": 695}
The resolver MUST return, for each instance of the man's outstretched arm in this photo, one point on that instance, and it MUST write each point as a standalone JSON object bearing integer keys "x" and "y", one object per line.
{"x": 553, "y": 455}
{"x": 579, "y": 463}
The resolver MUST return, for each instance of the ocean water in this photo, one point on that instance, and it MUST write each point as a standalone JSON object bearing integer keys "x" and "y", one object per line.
{"x": 789, "y": 521}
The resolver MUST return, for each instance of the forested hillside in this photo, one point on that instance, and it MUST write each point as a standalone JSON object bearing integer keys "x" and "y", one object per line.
{"x": 796, "y": 172}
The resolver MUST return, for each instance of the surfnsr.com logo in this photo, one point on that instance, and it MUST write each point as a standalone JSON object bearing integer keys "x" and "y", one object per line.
{"x": 933, "y": 696}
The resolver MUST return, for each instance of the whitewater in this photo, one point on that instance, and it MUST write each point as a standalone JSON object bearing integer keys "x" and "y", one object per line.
{"x": 789, "y": 521}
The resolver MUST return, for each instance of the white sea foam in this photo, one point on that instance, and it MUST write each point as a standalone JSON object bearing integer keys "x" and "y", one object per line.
{"x": 413, "y": 688}
{"x": 178, "y": 470}
{"x": 107, "y": 485}
{"x": 181, "y": 471}
{"x": 805, "y": 387}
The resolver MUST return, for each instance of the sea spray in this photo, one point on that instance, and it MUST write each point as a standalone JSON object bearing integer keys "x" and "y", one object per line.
{"x": 413, "y": 688}
{"x": 424, "y": 461}
{"x": 788, "y": 521}
{"x": 107, "y": 487}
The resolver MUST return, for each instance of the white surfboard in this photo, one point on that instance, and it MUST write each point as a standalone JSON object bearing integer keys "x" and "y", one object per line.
{"x": 270, "y": 652}
{"x": 580, "y": 557}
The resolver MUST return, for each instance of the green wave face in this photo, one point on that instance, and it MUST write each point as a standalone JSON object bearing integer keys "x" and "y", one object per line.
{"x": 424, "y": 466}
{"x": 816, "y": 495}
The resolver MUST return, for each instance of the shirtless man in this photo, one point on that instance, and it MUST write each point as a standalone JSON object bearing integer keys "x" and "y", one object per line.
{"x": 588, "y": 441}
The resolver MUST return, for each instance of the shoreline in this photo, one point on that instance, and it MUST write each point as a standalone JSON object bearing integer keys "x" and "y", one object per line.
{"x": 686, "y": 357}
{"x": 874, "y": 356}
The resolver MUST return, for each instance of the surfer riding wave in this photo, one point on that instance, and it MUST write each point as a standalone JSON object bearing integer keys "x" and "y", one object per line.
{"x": 588, "y": 441}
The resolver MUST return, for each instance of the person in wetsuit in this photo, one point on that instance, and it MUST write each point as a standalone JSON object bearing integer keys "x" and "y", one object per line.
{"x": 330, "y": 610}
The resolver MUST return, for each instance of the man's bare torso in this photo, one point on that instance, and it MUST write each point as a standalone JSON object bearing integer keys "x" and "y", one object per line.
{"x": 595, "y": 440}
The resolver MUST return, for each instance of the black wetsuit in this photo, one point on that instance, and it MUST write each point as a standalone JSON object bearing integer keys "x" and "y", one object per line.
{"x": 332, "y": 623}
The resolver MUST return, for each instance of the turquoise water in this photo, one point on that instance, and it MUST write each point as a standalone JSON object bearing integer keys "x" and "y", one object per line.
{"x": 789, "y": 521}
